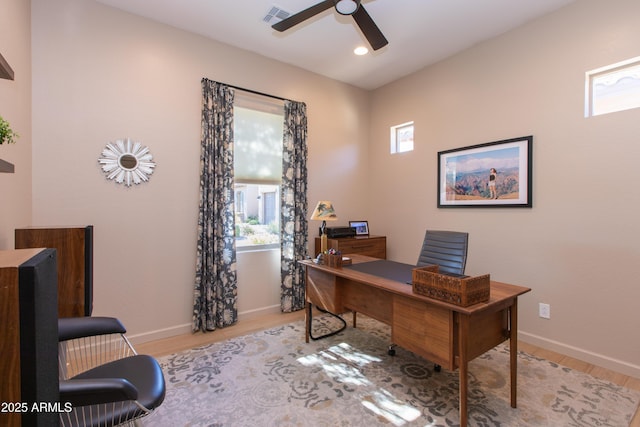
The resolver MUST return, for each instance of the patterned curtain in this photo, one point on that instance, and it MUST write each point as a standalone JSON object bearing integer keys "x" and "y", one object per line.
{"x": 215, "y": 296}
{"x": 293, "y": 206}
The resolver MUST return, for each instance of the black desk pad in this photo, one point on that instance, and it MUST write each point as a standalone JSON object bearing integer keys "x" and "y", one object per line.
{"x": 384, "y": 268}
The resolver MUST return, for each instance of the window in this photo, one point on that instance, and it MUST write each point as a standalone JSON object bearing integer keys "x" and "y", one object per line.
{"x": 613, "y": 88}
{"x": 402, "y": 138}
{"x": 258, "y": 132}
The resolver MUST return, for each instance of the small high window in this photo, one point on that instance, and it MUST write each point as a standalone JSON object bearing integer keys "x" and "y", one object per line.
{"x": 402, "y": 138}
{"x": 613, "y": 88}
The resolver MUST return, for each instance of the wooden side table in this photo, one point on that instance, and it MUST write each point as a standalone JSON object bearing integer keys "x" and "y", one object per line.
{"x": 373, "y": 246}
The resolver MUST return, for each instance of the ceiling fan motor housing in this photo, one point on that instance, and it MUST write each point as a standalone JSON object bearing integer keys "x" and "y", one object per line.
{"x": 347, "y": 7}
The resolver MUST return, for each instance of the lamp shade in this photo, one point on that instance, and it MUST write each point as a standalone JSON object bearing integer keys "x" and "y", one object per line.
{"x": 324, "y": 211}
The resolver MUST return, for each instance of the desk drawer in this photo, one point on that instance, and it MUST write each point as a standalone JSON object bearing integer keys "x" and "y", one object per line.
{"x": 374, "y": 246}
{"x": 361, "y": 298}
{"x": 425, "y": 329}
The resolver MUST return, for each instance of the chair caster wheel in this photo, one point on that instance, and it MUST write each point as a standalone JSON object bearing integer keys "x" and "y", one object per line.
{"x": 391, "y": 351}
{"x": 437, "y": 368}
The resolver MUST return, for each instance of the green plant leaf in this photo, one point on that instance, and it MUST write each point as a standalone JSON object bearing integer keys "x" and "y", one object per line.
{"x": 6, "y": 133}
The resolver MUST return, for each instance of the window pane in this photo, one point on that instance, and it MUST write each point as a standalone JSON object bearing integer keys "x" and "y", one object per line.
{"x": 257, "y": 215}
{"x": 402, "y": 138}
{"x": 615, "y": 89}
{"x": 257, "y": 145}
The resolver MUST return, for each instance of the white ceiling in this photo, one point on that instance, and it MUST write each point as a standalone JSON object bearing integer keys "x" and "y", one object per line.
{"x": 420, "y": 32}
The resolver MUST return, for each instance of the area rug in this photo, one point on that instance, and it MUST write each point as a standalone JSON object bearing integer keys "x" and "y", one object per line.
{"x": 273, "y": 378}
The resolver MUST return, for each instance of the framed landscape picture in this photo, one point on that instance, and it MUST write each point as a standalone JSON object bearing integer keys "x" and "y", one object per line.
{"x": 493, "y": 174}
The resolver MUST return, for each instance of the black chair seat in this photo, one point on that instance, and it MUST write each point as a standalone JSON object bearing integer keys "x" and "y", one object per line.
{"x": 145, "y": 378}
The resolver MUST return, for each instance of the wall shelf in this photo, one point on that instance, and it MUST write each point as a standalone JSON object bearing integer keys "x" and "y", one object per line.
{"x": 6, "y": 167}
{"x": 5, "y": 73}
{"x": 5, "y": 70}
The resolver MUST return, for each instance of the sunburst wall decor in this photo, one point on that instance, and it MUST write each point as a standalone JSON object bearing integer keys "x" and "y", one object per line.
{"x": 127, "y": 162}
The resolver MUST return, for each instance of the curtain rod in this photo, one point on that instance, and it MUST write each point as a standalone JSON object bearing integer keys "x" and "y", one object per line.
{"x": 255, "y": 92}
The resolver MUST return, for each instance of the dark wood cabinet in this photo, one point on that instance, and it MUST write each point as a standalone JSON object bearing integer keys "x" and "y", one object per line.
{"x": 75, "y": 263}
{"x": 373, "y": 246}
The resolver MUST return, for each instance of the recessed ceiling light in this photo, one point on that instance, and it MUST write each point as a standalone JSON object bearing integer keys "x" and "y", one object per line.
{"x": 361, "y": 50}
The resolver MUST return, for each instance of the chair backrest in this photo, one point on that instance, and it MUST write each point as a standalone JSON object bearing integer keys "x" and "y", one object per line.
{"x": 447, "y": 249}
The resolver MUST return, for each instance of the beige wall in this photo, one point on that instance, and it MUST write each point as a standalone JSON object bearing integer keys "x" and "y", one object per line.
{"x": 577, "y": 248}
{"x": 15, "y": 107}
{"x": 101, "y": 74}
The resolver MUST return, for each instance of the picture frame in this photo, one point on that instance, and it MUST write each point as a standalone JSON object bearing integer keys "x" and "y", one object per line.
{"x": 494, "y": 174}
{"x": 362, "y": 227}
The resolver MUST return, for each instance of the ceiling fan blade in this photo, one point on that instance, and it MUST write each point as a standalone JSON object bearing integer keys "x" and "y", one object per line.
{"x": 299, "y": 17}
{"x": 369, "y": 28}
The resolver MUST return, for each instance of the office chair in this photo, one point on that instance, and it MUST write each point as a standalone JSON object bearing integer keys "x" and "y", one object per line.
{"x": 447, "y": 249}
{"x": 102, "y": 376}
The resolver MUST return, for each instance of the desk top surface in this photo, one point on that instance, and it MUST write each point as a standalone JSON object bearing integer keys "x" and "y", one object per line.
{"x": 356, "y": 237}
{"x": 395, "y": 277}
{"x": 17, "y": 257}
{"x": 384, "y": 268}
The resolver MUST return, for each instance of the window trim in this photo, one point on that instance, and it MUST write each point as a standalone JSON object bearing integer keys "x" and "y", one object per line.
{"x": 258, "y": 248}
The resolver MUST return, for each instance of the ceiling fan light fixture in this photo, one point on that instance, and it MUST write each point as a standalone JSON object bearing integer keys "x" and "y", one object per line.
{"x": 347, "y": 7}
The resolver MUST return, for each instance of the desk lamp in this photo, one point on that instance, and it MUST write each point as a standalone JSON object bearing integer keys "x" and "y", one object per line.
{"x": 324, "y": 211}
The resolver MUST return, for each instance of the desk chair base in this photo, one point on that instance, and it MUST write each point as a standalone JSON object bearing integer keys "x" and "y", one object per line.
{"x": 391, "y": 351}
{"x": 310, "y": 320}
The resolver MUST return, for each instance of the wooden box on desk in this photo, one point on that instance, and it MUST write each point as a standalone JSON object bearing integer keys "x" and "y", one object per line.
{"x": 332, "y": 260}
{"x": 461, "y": 291}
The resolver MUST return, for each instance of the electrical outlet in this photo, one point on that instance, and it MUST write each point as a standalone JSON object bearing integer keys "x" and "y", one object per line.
{"x": 544, "y": 311}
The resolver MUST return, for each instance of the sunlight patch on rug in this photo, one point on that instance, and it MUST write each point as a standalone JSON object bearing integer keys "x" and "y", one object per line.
{"x": 345, "y": 364}
{"x": 273, "y": 378}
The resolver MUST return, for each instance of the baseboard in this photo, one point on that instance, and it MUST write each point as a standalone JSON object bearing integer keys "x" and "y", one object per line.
{"x": 581, "y": 354}
{"x": 251, "y": 314}
{"x": 159, "y": 334}
{"x": 184, "y": 329}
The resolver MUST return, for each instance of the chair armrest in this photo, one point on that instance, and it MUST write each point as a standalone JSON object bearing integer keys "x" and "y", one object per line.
{"x": 81, "y": 327}
{"x": 81, "y": 392}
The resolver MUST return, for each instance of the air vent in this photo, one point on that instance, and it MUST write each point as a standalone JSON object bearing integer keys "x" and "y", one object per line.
{"x": 275, "y": 15}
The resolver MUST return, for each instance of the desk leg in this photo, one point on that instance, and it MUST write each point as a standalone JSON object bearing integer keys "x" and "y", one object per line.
{"x": 307, "y": 322}
{"x": 513, "y": 349}
{"x": 463, "y": 368}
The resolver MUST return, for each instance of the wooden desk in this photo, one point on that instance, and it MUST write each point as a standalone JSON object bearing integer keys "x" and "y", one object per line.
{"x": 443, "y": 333}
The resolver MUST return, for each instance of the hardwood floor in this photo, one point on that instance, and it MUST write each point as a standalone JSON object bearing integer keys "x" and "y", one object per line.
{"x": 178, "y": 343}
{"x": 184, "y": 342}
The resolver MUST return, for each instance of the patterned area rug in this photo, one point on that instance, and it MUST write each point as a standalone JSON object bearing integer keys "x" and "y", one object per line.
{"x": 272, "y": 378}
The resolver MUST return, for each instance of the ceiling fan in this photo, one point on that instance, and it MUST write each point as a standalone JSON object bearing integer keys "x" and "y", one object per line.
{"x": 344, "y": 7}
